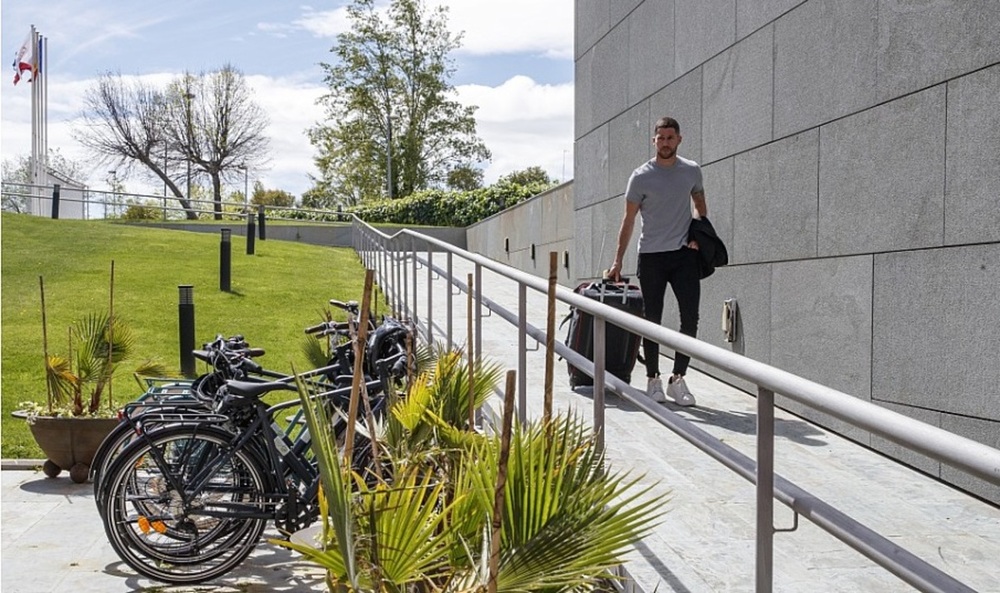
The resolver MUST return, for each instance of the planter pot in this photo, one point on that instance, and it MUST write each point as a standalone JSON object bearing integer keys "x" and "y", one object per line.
{"x": 70, "y": 443}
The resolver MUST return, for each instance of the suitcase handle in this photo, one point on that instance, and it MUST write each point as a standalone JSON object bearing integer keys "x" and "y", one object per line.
{"x": 605, "y": 282}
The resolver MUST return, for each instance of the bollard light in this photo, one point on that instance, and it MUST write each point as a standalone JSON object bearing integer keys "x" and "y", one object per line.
{"x": 55, "y": 202}
{"x": 250, "y": 233}
{"x": 185, "y": 322}
{"x": 225, "y": 260}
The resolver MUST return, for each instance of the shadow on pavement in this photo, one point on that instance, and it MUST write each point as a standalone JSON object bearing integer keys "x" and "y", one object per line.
{"x": 61, "y": 486}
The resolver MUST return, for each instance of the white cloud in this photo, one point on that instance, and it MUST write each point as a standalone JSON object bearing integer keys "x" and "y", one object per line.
{"x": 292, "y": 109}
{"x": 489, "y": 27}
{"x": 513, "y": 26}
{"x": 524, "y": 124}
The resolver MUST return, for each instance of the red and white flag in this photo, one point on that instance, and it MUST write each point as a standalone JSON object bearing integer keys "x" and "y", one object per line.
{"x": 25, "y": 60}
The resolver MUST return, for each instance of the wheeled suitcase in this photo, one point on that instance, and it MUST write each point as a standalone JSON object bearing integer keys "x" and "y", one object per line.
{"x": 621, "y": 347}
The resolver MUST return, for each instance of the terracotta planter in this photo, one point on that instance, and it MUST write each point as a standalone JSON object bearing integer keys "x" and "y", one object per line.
{"x": 70, "y": 443}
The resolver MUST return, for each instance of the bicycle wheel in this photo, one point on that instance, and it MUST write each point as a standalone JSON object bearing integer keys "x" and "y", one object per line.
{"x": 190, "y": 534}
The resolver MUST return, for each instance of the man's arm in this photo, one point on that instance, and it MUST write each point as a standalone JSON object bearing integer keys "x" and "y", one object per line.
{"x": 624, "y": 235}
{"x": 700, "y": 205}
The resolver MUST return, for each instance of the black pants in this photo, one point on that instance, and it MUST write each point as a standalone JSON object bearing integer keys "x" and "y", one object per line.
{"x": 680, "y": 270}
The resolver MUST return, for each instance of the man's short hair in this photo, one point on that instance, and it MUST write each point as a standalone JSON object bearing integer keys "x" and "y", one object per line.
{"x": 667, "y": 122}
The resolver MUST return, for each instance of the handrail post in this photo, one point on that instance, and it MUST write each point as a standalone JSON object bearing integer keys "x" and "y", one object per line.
{"x": 396, "y": 266}
{"x": 448, "y": 300}
{"x": 430, "y": 295}
{"x": 765, "y": 490}
{"x": 405, "y": 312}
{"x": 600, "y": 338}
{"x": 479, "y": 311}
{"x": 415, "y": 300}
{"x": 522, "y": 352}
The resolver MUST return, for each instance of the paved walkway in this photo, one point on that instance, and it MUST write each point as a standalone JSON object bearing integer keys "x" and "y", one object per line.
{"x": 706, "y": 541}
{"x": 52, "y": 538}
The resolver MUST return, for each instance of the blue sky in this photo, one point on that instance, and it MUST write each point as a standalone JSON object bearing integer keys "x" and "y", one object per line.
{"x": 515, "y": 63}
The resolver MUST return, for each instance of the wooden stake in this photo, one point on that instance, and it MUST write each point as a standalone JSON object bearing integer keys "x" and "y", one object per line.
{"x": 45, "y": 345}
{"x": 498, "y": 495}
{"x": 111, "y": 339}
{"x": 360, "y": 339}
{"x": 472, "y": 381}
{"x": 550, "y": 335}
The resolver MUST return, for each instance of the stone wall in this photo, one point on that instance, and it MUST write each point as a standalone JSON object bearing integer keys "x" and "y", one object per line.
{"x": 523, "y": 236}
{"x": 850, "y": 156}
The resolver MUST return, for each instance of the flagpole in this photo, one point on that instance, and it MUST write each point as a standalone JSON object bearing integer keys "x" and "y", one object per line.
{"x": 43, "y": 64}
{"x": 35, "y": 139}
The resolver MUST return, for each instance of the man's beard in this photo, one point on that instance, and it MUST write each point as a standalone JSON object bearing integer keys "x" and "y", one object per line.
{"x": 666, "y": 153}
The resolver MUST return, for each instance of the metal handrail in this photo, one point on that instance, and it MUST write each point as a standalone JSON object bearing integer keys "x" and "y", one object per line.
{"x": 387, "y": 255}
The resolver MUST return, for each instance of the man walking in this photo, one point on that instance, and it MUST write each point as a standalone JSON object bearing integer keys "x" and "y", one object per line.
{"x": 661, "y": 191}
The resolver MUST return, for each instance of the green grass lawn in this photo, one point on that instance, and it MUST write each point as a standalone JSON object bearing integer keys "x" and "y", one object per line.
{"x": 275, "y": 293}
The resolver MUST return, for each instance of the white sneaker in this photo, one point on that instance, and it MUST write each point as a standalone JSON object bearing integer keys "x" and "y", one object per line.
{"x": 678, "y": 391}
{"x": 654, "y": 390}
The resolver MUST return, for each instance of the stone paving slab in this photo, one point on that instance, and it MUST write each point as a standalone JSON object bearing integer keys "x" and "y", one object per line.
{"x": 706, "y": 540}
{"x": 53, "y": 541}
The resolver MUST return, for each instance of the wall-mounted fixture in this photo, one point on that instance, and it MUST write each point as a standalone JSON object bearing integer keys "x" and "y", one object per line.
{"x": 566, "y": 259}
{"x": 730, "y": 318}
{"x": 506, "y": 244}
{"x": 532, "y": 252}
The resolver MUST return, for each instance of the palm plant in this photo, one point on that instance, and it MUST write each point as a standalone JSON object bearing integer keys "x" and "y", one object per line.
{"x": 566, "y": 521}
{"x": 80, "y": 380}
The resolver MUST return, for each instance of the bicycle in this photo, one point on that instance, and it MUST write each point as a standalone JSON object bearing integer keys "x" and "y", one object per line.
{"x": 189, "y": 501}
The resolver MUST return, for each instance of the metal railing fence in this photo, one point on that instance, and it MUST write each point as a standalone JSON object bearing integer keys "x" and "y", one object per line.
{"x": 103, "y": 204}
{"x": 396, "y": 261}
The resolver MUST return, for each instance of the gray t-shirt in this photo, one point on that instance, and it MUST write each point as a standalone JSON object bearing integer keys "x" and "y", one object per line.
{"x": 664, "y": 198}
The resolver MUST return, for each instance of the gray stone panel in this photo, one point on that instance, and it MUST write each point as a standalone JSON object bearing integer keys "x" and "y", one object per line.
{"x": 881, "y": 177}
{"x": 651, "y": 48}
{"x": 596, "y": 238}
{"x": 559, "y": 212}
{"x": 621, "y": 9}
{"x": 824, "y": 63}
{"x": 604, "y": 237}
{"x": 609, "y": 83}
{"x": 751, "y": 287}
{"x": 821, "y": 327}
{"x": 591, "y": 23}
{"x": 924, "y": 43}
{"x": 583, "y": 101}
{"x": 583, "y": 256}
{"x": 681, "y": 100}
{"x": 754, "y": 14}
{"x": 528, "y": 225}
{"x": 983, "y": 431}
{"x": 591, "y": 161}
{"x": 776, "y": 201}
{"x": 719, "y": 196}
{"x": 631, "y": 145}
{"x": 911, "y": 458}
{"x": 937, "y": 318}
{"x": 972, "y": 193}
{"x": 704, "y": 28}
{"x": 737, "y": 97}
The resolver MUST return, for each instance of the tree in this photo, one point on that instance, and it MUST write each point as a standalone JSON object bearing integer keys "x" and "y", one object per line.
{"x": 270, "y": 197}
{"x": 528, "y": 176}
{"x": 465, "y": 178}
{"x": 18, "y": 172}
{"x": 207, "y": 122}
{"x": 391, "y": 113}
{"x": 215, "y": 125}
{"x": 126, "y": 123}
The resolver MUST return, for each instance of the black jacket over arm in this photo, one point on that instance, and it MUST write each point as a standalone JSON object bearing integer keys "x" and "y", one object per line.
{"x": 711, "y": 250}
